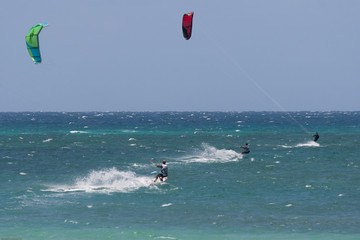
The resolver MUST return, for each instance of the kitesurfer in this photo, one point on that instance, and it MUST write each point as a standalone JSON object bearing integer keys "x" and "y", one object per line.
{"x": 316, "y": 136}
{"x": 164, "y": 171}
{"x": 246, "y": 149}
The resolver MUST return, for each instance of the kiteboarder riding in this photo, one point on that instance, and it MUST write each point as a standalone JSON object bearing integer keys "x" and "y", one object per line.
{"x": 246, "y": 149}
{"x": 316, "y": 136}
{"x": 164, "y": 171}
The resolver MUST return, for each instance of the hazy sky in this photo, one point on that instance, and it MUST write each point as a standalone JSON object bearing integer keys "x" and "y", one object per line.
{"x": 244, "y": 55}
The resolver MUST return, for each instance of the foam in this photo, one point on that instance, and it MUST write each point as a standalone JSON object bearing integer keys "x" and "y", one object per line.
{"x": 210, "y": 154}
{"x": 165, "y": 237}
{"x": 166, "y": 205}
{"x": 307, "y": 144}
{"x": 139, "y": 165}
{"x": 78, "y": 132}
{"x": 128, "y": 131}
{"x": 286, "y": 146}
{"x": 106, "y": 181}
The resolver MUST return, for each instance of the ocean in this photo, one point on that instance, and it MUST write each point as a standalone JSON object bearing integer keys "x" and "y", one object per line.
{"x": 87, "y": 175}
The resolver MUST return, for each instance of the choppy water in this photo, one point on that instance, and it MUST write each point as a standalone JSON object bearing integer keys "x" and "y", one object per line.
{"x": 88, "y": 175}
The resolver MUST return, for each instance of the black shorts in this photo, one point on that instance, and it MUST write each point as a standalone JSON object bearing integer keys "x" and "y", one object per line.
{"x": 162, "y": 175}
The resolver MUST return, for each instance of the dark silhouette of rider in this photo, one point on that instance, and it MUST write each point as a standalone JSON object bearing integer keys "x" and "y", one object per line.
{"x": 316, "y": 136}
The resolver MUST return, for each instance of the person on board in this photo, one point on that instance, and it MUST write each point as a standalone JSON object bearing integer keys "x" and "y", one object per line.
{"x": 316, "y": 136}
{"x": 164, "y": 171}
{"x": 246, "y": 149}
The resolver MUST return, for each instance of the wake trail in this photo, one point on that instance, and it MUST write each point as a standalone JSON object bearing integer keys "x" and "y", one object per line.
{"x": 106, "y": 181}
{"x": 210, "y": 154}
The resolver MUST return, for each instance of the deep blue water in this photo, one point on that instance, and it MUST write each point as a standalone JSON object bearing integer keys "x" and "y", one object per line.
{"x": 88, "y": 175}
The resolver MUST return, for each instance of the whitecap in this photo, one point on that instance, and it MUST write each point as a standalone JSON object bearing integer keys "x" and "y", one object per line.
{"x": 47, "y": 140}
{"x": 140, "y": 165}
{"x": 308, "y": 144}
{"x": 166, "y": 205}
{"x": 71, "y": 221}
{"x": 128, "y": 131}
{"x": 77, "y": 131}
{"x": 285, "y": 146}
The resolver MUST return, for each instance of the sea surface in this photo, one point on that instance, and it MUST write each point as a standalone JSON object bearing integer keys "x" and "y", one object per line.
{"x": 88, "y": 175}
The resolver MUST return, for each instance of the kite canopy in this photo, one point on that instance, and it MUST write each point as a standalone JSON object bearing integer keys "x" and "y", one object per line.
{"x": 32, "y": 42}
{"x": 187, "y": 25}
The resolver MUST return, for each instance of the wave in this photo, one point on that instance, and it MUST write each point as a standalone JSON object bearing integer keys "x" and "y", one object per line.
{"x": 107, "y": 181}
{"x": 210, "y": 154}
{"x": 307, "y": 144}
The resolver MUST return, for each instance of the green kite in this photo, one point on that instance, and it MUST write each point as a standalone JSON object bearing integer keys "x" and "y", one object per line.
{"x": 32, "y": 42}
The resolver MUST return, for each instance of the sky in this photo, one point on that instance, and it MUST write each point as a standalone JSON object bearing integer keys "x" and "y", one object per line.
{"x": 244, "y": 55}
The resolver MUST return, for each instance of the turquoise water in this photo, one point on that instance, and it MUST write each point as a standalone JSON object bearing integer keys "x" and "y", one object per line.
{"x": 88, "y": 175}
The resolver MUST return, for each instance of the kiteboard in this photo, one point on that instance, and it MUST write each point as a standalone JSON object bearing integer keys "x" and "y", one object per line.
{"x": 164, "y": 179}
